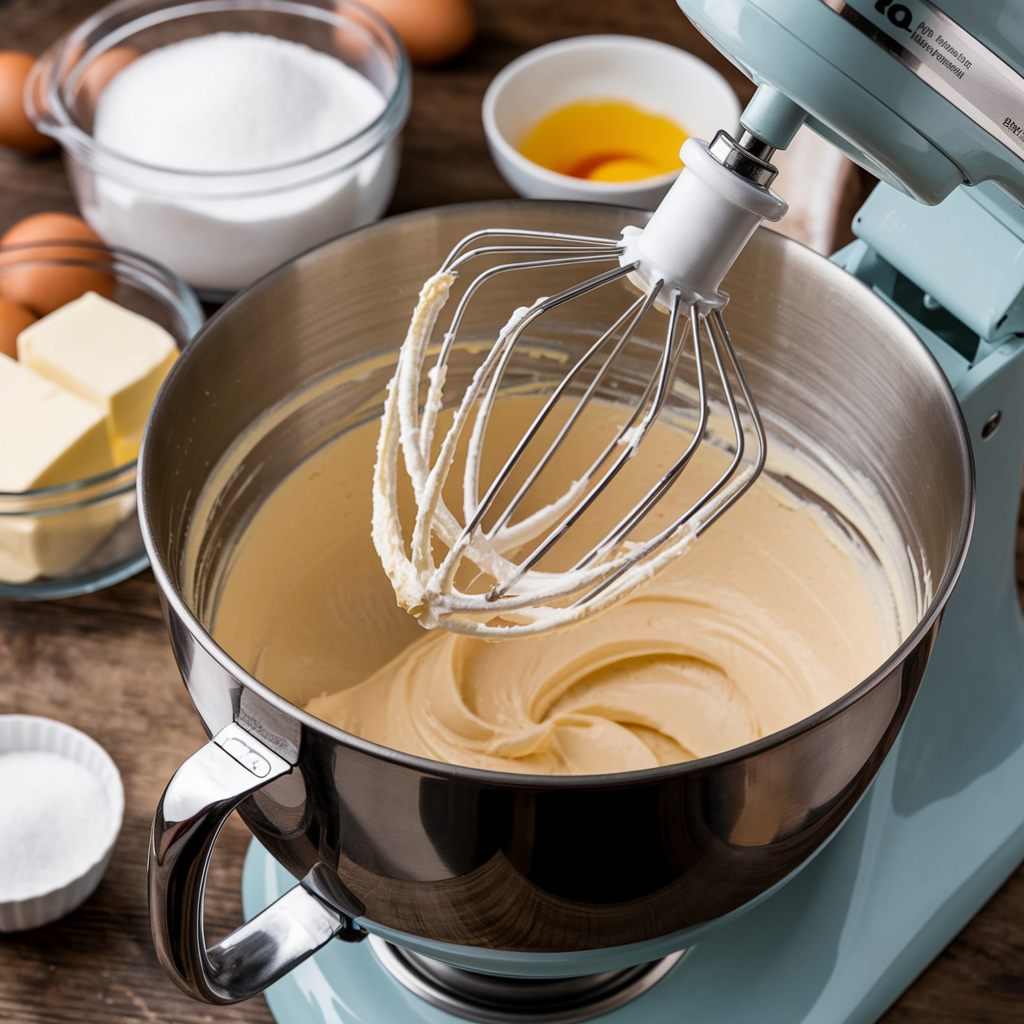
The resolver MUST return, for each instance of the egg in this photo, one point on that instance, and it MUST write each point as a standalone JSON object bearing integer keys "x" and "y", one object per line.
{"x": 14, "y": 318}
{"x": 98, "y": 74}
{"x": 604, "y": 140}
{"x": 45, "y": 288}
{"x": 433, "y": 31}
{"x": 16, "y": 130}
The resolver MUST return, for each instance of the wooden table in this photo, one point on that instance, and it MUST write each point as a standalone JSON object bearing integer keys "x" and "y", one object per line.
{"x": 102, "y": 662}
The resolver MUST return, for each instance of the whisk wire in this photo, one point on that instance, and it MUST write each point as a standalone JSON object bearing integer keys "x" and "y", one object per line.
{"x": 635, "y": 313}
{"x": 754, "y": 470}
{"x": 483, "y": 413}
{"x": 740, "y": 485}
{"x": 657, "y": 492}
{"x": 436, "y": 377}
{"x": 548, "y": 237}
{"x": 487, "y": 275}
{"x": 565, "y": 255}
{"x": 660, "y": 386}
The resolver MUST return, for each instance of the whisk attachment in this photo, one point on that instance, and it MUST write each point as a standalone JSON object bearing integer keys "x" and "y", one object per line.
{"x": 480, "y": 572}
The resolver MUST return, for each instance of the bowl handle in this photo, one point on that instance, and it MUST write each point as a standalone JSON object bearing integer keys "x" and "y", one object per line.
{"x": 190, "y": 815}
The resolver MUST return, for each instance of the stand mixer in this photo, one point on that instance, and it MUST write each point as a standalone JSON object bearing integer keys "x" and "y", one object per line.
{"x": 916, "y": 94}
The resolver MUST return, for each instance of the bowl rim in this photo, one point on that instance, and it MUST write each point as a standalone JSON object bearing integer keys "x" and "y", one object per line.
{"x": 55, "y": 69}
{"x": 597, "y": 191}
{"x": 485, "y": 777}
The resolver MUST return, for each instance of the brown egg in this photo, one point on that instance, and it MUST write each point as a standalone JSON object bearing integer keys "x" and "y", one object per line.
{"x": 45, "y": 288}
{"x": 433, "y": 31}
{"x": 16, "y": 130}
{"x": 14, "y": 318}
{"x": 98, "y": 74}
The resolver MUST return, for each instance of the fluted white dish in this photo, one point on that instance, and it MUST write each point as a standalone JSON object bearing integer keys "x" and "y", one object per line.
{"x": 31, "y": 733}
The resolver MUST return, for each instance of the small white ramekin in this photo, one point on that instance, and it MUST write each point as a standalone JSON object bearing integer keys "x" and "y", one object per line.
{"x": 32, "y": 733}
{"x": 654, "y": 76}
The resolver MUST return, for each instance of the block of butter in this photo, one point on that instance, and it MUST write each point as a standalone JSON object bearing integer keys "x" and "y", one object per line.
{"x": 48, "y": 436}
{"x": 107, "y": 355}
{"x": 50, "y": 545}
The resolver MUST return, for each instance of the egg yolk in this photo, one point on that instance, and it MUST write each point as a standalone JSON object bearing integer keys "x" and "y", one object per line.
{"x": 604, "y": 140}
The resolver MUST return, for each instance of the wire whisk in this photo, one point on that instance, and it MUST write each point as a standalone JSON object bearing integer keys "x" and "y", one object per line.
{"x": 480, "y": 572}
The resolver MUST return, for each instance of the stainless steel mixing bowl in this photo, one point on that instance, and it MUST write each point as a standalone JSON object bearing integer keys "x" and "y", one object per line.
{"x": 512, "y": 874}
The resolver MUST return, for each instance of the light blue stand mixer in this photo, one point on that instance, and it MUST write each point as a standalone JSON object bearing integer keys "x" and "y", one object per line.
{"x": 931, "y": 99}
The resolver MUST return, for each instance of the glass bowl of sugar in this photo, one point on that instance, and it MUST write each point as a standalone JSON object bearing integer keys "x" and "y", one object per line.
{"x": 223, "y": 137}
{"x": 73, "y": 404}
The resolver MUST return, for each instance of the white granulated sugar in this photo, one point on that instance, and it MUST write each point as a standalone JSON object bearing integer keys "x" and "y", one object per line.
{"x": 193, "y": 117}
{"x": 233, "y": 101}
{"x": 54, "y": 823}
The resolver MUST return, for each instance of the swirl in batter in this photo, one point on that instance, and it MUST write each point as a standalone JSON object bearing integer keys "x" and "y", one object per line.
{"x": 771, "y": 616}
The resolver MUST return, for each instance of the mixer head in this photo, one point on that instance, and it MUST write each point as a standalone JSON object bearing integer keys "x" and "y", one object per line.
{"x": 926, "y": 96}
{"x": 498, "y": 573}
{"x": 923, "y": 94}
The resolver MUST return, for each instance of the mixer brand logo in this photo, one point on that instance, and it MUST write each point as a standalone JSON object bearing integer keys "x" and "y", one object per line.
{"x": 946, "y": 57}
{"x": 937, "y": 46}
{"x": 899, "y": 14}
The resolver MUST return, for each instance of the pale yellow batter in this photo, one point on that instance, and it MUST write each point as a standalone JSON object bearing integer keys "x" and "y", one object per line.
{"x": 770, "y": 616}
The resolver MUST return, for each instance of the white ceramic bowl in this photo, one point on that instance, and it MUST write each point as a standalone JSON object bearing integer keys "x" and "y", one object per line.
{"x": 31, "y": 733}
{"x": 654, "y": 76}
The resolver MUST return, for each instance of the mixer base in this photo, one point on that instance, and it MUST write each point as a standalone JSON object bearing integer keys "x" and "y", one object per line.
{"x": 489, "y": 999}
{"x": 836, "y": 945}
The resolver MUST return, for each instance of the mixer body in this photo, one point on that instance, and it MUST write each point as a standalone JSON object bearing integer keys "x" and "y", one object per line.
{"x": 519, "y": 875}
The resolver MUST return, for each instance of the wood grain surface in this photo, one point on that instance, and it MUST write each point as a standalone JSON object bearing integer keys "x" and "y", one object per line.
{"x": 102, "y": 663}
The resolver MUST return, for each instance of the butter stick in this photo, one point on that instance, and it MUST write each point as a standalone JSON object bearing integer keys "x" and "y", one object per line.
{"x": 107, "y": 355}
{"x": 48, "y": 436}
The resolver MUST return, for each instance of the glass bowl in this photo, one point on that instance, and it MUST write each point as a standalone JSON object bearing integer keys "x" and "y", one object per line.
{"x": 84, "y": 535}
{"x": 220, "y": 231}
